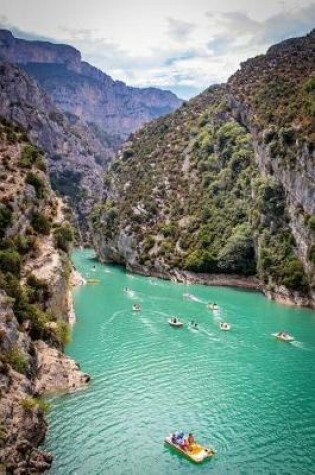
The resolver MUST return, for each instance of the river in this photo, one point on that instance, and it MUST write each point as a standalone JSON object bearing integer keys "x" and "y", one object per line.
{"x": 243, "y": 392}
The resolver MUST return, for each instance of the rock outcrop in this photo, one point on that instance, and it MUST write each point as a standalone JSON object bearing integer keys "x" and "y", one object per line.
{"x": 76, "y": 157}
{"x": 56, "y": 372}
{"x": 225, "y": 185}
{"x": 111, "y": 108}
{"x": 34, "y": 302}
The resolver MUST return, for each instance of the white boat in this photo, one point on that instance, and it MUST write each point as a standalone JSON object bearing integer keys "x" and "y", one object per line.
{"x": 174, "y": 322}
{"x": 283, "y": 336}
{"x": 212, "y": 306}
{"x": 136, "y": 307}
{"x": 225, "y": 326}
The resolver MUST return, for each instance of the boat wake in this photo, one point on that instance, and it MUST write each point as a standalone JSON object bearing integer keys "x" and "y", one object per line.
{"x": 194, "y": 298}
{"x": 298, "y": 344}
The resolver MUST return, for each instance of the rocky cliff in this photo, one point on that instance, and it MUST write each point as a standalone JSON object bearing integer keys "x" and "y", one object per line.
{"x": 34, "y": 302}
{"x": 225, "y": 185}
{"x": 76, "y": 157}
{"x": 113, "y": 109}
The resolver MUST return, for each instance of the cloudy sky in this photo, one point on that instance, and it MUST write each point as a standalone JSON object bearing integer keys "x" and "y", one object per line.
{"x": 182, "y": 45}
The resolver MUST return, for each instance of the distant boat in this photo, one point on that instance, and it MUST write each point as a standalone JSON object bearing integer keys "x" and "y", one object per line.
{"x": 136, "y": 307}
{"x": 196, "y": 453}
{"x": 193, "y": 325}
{"x": 212, "y": 306}
{"x": 93, "y": 281}
{"x": 174, "y": 322}
{"x": 225, "y": 326}
{"x": 283, "y": 336}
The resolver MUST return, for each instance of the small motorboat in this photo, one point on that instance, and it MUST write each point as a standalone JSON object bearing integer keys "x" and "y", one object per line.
{"x": 225, "y": 326}
{"x": 212, "y": 306}
{"x": 284, "y": 336}
{"x": 196, "y": 452}
{"x": 136, "y": 307}
{"x": 174, "y": 322}
{"x": 193, "y": 325}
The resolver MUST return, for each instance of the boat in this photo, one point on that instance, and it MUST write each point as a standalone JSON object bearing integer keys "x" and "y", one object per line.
{"x": 225, "y": 326}
{"x": 193, "y": 325}
{"x": 283, "y": 336}
{"x": 136, "y": 307}
{"x": 212, "y": 306}
{"x": 93, "y": 281}
{"x": 174, "y": 322}
{"x": 196, "y": 453}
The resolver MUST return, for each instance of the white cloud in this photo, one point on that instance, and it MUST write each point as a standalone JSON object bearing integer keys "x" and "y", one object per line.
{"x": 182, "y": 46}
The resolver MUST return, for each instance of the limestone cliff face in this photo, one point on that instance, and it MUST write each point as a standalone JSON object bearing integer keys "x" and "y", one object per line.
{"x": 274, "y": 97}
{"x": 84, "y": 91}
{"x": 34, "y": 302}
{"x": 225, "y": 184}
{"x": 21, "y": 51}
{"x": 76, "y": 157}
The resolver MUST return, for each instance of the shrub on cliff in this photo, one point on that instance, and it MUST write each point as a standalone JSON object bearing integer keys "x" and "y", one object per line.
{"x": 40, "y": 223}
{"x": 63, "y": 236}
{"x": 10, "y": 261}
{"x": 37, "y": 183}
{"x": 37, "y": 290}
{"x": 33, "y": 403}
{"x": 238, "y": 254}
{"x": 5, "y": 219}
{"x": 62, "y": 332}
{"x": 29, "y": 156}
{"x": 17, "y": 360}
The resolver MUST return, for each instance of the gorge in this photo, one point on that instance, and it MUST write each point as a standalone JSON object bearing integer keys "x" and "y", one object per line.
{"x": 218, "y": 190}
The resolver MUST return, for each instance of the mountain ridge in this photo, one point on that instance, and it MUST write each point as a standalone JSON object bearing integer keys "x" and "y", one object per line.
{"x": 225, "y": 184}
{"x": 78, "y": 88}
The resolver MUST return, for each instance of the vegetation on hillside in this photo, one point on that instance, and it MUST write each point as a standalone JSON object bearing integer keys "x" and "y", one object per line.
{"x": 225, "y": 183}
{"x": 27, "y": 215}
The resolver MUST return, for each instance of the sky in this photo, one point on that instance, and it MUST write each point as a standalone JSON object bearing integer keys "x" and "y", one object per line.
{"x": 180, "y": 45}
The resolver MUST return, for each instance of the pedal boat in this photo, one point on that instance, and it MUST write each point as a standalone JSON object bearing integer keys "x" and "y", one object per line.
{"x": 224, "y": 326}
{"x": 177, "y": 324}
{"x": 136, "y": 307}
{"x": 93, "y": 281}
{"x": 197, "y": 453}
{"x": 283, "y": 336}
{"x": 212, "y": 306}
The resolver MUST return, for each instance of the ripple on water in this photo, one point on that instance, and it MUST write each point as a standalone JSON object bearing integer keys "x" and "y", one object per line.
{"x": 240, "y": 391}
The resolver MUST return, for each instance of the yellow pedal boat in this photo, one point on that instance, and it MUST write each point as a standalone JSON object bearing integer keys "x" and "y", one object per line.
{"x": 197, "y": 453}
{"x": 93, "y": 281}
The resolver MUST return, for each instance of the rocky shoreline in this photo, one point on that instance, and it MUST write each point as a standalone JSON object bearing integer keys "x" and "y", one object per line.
{"x": 279, "y": 294}
{"x": 22, "y": 411}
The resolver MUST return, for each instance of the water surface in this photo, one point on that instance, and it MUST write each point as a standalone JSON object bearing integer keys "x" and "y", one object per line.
{"x": 252, "y": 398}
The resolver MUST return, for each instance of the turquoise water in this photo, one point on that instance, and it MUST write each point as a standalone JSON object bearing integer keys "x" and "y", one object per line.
{"x": 249, "y": 396}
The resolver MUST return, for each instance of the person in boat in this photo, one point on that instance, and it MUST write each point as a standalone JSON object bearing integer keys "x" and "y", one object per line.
{"x": 174, "y": 320}
{"x": 177, "y": 438}
{"x": 184, "y": 445}
{"x": 191, "y": 440}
